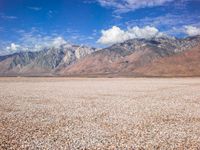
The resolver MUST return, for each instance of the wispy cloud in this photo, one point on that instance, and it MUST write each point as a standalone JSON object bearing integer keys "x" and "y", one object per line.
{"x": 35, "y": 8}
{"x": 51, "y": 13}
{"x": 36, "y": 39}
{"x": 123, "y": 6}
{"x": 33, "y": 40}
{"x": 7, "y": 17}
{"x": 172, "y": 24}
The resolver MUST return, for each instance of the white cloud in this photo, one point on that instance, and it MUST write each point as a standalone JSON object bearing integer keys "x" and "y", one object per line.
{"x": 117, "y": 35}
{"x": 192, "y": 31}
{"x": 13, "y": 47}
{"x": 58, "y": 41}
{"x": 36, "y": 41}
{"x": 113, "y": 35}
{"x": 122, "y": 6}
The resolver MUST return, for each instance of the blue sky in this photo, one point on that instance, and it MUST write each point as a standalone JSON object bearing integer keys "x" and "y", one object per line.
{"x": 33, "y": 24}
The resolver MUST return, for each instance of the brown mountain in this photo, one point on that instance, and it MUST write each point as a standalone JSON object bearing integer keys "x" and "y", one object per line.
{"x": 161, "y": 56}
{"x": 182, "y": 64}
{"x": 132, "y": 58}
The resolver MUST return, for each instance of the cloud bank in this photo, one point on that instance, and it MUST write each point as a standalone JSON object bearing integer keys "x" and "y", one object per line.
{"x": 192, "y": 31}
{"x": 58, "y": 41}
{"x": 123, "y": 6}
{"x": 13, "y": 47}
{"x": 37, "y": 43}
{"x": 117, "y": 35}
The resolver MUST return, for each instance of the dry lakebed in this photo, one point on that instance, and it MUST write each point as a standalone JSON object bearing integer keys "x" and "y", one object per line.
{"x": 99, "y": 113}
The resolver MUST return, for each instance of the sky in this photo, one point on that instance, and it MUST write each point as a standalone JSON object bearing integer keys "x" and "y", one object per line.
{"x": 30, "y": 25}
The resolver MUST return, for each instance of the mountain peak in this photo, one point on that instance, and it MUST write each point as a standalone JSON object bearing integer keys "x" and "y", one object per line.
{"x": 69, "y": 59}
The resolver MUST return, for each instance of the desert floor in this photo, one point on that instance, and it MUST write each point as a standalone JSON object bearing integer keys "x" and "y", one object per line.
{"x": 78, "y": 113}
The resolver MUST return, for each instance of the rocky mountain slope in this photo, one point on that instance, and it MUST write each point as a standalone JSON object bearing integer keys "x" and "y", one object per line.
{"x": 42, "y": 63}
{"x": 136, "y": 57}
{"x": 181, "y": 64}
{"x": 124, "y": 58}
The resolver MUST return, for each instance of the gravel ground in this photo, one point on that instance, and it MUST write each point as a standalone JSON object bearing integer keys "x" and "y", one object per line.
{"x": 61, "y": 113}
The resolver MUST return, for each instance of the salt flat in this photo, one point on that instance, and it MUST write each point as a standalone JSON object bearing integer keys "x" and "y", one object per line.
{"x": 119, "y": 113}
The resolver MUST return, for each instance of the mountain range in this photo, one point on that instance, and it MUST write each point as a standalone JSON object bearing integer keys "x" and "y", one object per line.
{"x": 160, "y": 56}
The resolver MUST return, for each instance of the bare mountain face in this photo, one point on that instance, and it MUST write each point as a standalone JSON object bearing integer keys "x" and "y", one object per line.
{"x": 124, "y": 58}
{"x": 42, "y": 63}
{"x": 181, "y": 64}
{"x": 130, "y": 58}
